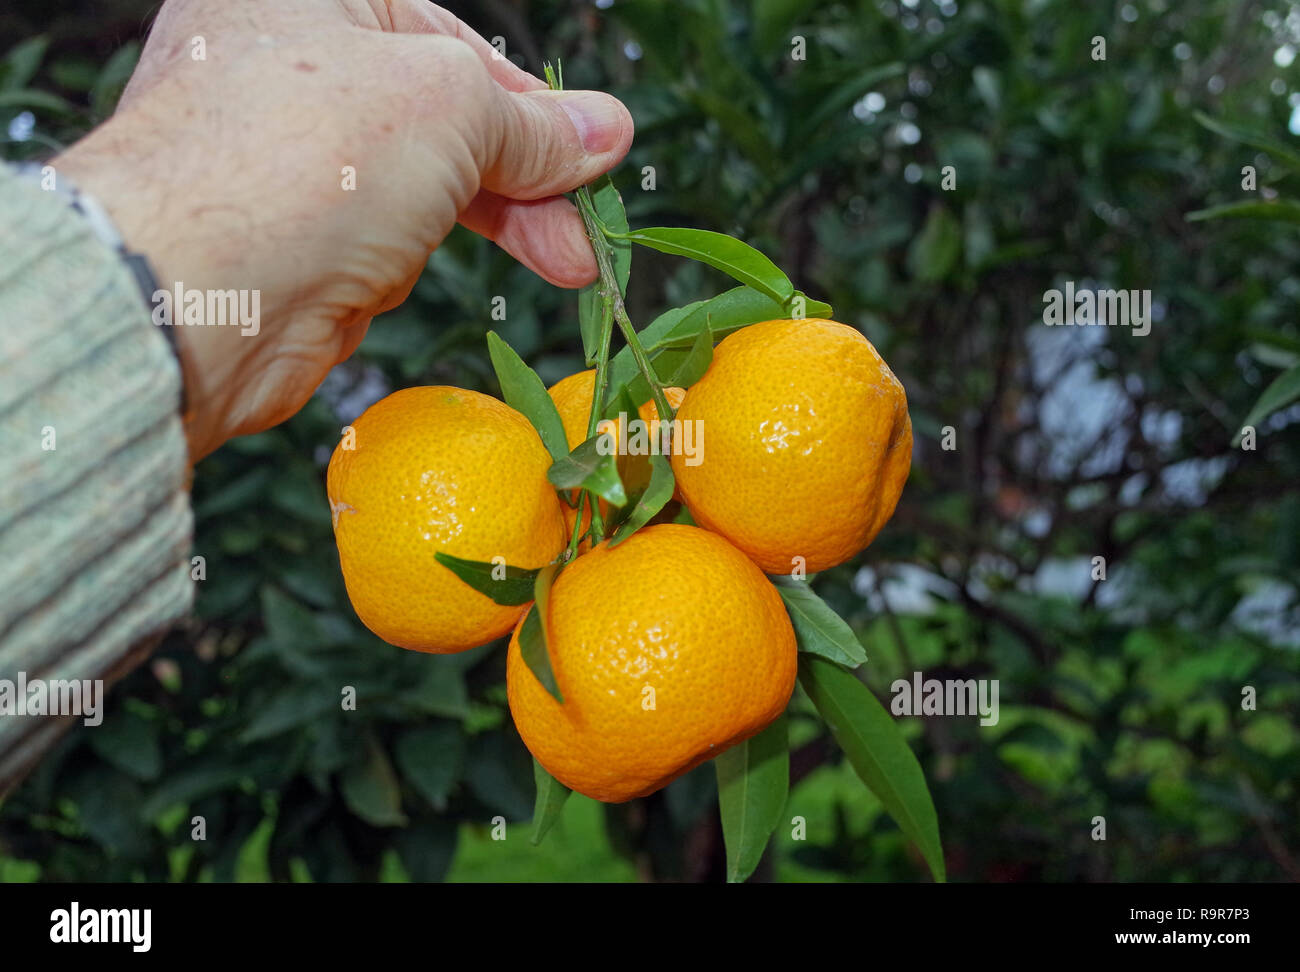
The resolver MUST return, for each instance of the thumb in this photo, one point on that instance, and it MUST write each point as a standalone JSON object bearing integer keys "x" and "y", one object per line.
{"x": 554, "y": 141}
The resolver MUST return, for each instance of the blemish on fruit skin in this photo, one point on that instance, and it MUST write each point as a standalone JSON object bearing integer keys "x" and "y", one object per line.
{"x": 337, "y": 507}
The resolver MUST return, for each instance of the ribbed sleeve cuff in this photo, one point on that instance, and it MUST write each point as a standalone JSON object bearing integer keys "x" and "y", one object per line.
{"x": 95, "y": 521}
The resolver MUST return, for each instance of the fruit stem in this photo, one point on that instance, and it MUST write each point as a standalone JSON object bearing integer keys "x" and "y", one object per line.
{"x": 613, "y": 298}
{"x": 577, "y": 528}
{"x": 593, "y": 420}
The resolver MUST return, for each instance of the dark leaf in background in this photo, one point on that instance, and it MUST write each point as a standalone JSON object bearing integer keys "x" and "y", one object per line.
{"x": 371, "y": 789}
{"x": 500, "y": 773}
{"x": 431, "y": 759}
{"x": 108, "y": 809}
{"x": 1281, "y": 153}
{"x": 1284, "y": 390}
{"x": 297, "y": 704}
{"x": 934, "y": 252}
{"x": 130, "y": 742}
{"x": 22, "y": 61}
{"x": 439, "y": 688}
{"x": 112, "y": 79}
{"x": 1280, "y": 211}
{"x": 426, "y": 849}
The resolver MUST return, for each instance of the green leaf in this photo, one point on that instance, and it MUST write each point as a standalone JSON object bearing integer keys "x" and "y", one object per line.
{"x": 1282, "y": 153}
{"x": 201, "y": 777}
{"x": 692, "y": 367}
{"x": 431, "y": 759}
{"x": 36, "y": 99}
{"x": 989, "y": 86}
{"x": 112, "y": 79}
{"x": 1273, "y": 356}
{"x": 23, "y": 61}
{"x": 587, "y": 468}
{"x": 609, "y": 210}
{"x": 129, "y": 742}
{"x": 817, "y": 628}
{"x": 591, "y": 321}
{"x": 722, "y": 252}
{"x": 426, "y": 848}
{"x": 1284, "y": 390}
{"x": 876, "y": 750}
{"x": 737, "y": 126}
{"x": 499, "y": 773}
{"x": 532, "y": 636}
{"x": 515, "y": 586}
{"x": 1274, "y": 338}
{"x": 774, "y": 19}
{"x": 723, "y": 314}
{"x": 935, "y": 249}
{"x": 297, "y": 705}
{"x": 371, "y": 791}
{"x": 1280, "y": 210}
{"x": 440, "y": 690}
{"x": 837, "y": 102}
{"x": 670, "y": 336}
{"x": 753, "y": 782}
{"x": 109, "y": 809}
{"x": 299, "y": 490}
{"x": 551, "y": 794}
{"x": 524, "y": 392}
{"x": 236, "y": 492}
{"x": 289, "y": 623}
{"x": 656, "y": 495}
{"x": 623, "y": 405}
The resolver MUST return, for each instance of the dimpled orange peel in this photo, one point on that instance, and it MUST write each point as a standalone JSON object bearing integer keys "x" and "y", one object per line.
{"x": 806, "y": 443}
{"x": 693, "y": 654}
{"x": 431, "y": 469}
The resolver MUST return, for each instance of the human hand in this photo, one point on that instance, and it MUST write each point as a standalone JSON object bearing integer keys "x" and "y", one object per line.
{"x": 228, "y": 173}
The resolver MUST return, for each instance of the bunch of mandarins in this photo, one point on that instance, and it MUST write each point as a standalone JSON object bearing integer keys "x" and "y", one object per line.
{"x": 670, "y": 645}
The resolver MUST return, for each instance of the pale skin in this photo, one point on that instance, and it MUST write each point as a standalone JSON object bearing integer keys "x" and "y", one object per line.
{"x": 229, "y": 173}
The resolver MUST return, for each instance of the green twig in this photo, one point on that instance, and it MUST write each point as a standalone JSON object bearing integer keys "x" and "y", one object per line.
{"x": 612, "y": 296}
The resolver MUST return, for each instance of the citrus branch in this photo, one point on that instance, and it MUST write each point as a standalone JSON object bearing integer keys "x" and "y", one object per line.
{"x": 611, "y": 298}
{"x": 577, "y": 524}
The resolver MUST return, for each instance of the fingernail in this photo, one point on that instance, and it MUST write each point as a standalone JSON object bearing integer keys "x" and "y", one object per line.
{"x": 597, "y": 117}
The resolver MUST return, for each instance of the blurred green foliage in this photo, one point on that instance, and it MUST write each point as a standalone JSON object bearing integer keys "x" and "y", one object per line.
{"x": 1119, "y": 698}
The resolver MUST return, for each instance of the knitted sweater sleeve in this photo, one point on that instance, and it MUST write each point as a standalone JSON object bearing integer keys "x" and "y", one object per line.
{"x": 95, "y": 521}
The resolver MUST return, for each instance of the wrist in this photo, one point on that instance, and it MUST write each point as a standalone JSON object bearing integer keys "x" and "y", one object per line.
{"x": 97, "y": 166}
